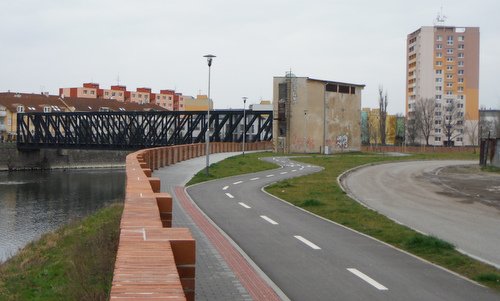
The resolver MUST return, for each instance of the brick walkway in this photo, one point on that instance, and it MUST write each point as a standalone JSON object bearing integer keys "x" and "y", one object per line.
{"x": 222, "y": 273}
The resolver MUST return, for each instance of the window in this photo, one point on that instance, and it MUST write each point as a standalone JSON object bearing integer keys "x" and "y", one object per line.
{"x": 437, "y": 130}
{"x": 92, "y": 92}
{"x": 84, "y": 91}
{"x": 438, "y": 97}
{"x": 158, "y": 97}
{"x": 461, "y": 55}
{"x": 461, "y": 46}
{"x": 439, "y": 54}
{"x": 439, "y": 38}
{"x": 449, "y": 93}
{"x": 437, "y": 121}
{"x": 437, "y": 113}
{"x": 120, "y": 94}
{"x": 460, "y": 122}
{"x": 461, "y": 38}
{"x": 449, "y": 76}
{"x": 439, "y": 63}
{"x": 449, "y": 51}
{"x": 437, "y": 138}
{"x": 460, "y": 89}
{"x": 460, "y": 105}
{"x": 439, "y": 46}
{"x": 20, "y": 109}
{"x": 460, "y": 72}
{"x": 460, "y": 97}
{"x": 459, "y": 139}
{"x": 411, "y": 49}
{"x": 449, "y": 59}
{"x": 106, "y": 93}
{"x": 140, "y": 95}
{"x": 449, "y": 85}
{"x": 439, "y": 88}
{"x": 460, "y": 80}
{"x": 133, "y": 95}
{"x": 461, "y": 64}
{"x": 450, "y": 40}
{"x": 46, "y": 109}
{"x": 449, "y": 67}
{"x": 438, "y": 79}
{"x": 438, "y": 105}
{"x": 113, "y": 94}
{"x": 439, "y": 71}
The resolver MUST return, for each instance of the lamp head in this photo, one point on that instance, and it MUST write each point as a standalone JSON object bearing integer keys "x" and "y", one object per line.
{"x": 209, "y": 59}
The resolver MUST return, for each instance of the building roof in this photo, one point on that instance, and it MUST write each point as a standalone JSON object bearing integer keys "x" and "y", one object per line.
{"x": 37, "y": 103}
{"x": 31, "y": 102}
{"x": 335, "y": 82}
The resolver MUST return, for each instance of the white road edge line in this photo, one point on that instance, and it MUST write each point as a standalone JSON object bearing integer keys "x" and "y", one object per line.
{"x": 268, "y": 176}
{"x": 368, "y": 279}
{"x": 253, "y": 179}
{"x": 283, "y": 172}
{"x": 244, "y": 205}
{"x": 237, "y": 182}
{"x": 230, "y": 195}
{"x": 225, "y": 187}
{"x": 310, "y": 244}
{"x": 268, "y": 220}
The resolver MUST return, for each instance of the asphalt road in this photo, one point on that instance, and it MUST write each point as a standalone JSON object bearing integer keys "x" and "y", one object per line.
{"x": 313, "y": 259}
{"x": 420, "y": 195}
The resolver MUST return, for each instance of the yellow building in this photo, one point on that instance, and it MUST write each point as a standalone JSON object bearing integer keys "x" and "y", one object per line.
{"x": 372, "y": 127}
{"x": 200, "y": 103}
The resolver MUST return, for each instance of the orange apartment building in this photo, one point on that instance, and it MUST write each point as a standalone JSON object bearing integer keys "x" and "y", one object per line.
{"x": 442, "y": 63}
{"x": 168, "y": 99}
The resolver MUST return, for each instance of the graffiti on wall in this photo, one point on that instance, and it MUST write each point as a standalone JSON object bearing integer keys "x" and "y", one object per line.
{"x": 342, "y": 141}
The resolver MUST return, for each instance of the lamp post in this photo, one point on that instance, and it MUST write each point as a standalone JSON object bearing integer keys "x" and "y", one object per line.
{"x": 207, "y": 133}
{"x": 244, "y": 123}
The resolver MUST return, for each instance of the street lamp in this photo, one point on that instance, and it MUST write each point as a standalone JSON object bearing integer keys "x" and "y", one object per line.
{"x": 244, "y": 123}
{"x": 207, "y": 133}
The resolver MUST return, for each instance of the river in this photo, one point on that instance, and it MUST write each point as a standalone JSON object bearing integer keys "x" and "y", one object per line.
{"x": 36, "y": 202}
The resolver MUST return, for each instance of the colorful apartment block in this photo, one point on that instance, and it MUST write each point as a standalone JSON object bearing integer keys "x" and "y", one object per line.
{"x": 443, "y": 64}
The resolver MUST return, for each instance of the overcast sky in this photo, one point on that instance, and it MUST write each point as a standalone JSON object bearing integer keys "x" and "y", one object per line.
{"x": 160, "y": 44}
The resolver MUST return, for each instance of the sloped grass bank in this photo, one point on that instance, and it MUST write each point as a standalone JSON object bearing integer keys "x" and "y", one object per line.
{"x": 75, "y": 262}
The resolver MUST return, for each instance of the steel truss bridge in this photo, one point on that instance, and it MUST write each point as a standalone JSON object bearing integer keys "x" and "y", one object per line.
{"x": 136, "y": 130}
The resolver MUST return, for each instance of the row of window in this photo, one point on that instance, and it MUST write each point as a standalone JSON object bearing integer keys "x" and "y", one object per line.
{"x": 46, "y": 109}
{"x": 449, "y": 67}
{"x": 458, "y": 139}
{"x": 460, "y": 46}
{"x": 439, "y": 38}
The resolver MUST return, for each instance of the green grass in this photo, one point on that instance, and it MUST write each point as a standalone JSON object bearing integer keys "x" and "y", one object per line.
{"x": 233, "y": 166}
{"x": 321, "y": 194}
{"x": 490, "y": 168}
{"x": 74, "y": 263}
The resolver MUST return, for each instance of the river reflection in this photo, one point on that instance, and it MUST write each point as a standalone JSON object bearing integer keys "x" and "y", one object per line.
{"x": 36, "y": 202}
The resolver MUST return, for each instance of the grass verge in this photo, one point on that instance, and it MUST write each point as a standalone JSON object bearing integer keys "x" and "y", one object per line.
{"x": 233, "y": 166}
{"x": 321, "y": 194}
{"x": 75, "y": 262}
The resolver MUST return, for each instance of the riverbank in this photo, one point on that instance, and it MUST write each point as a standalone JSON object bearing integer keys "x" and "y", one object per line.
{"x": 75, "y": 262}
{"x": 11, "y": 159}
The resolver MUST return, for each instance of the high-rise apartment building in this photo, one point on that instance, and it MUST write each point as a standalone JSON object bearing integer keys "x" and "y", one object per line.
{"x": 443, "y": 64}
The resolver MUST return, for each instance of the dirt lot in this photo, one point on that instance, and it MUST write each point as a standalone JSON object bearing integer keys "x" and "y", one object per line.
{"x": 468, "y": 182}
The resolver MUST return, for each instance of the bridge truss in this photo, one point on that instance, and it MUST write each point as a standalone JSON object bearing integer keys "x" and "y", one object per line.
{"x": 135, "y": 130}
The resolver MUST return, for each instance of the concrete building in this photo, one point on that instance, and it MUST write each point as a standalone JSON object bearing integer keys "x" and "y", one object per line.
{"x": 200, "y": 103}
{"x": 316, "y": 116}
{"x": 442, "y": 64}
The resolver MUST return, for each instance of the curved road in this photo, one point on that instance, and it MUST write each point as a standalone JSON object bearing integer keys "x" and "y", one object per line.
{"x": 415, "y": 194}
{"x": 313, "y": 259}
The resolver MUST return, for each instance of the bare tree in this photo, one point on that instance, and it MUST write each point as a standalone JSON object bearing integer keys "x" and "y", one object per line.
{"x": 382, "y": 105}
{"x": 453, "y": 121}
{"x": 424, "y": 117}
{"x": 411, "y": 129}
{"x": 472, "y": 132}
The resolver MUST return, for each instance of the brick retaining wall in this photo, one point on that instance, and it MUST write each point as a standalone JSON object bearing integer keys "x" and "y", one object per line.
{"x": 419, "y": 149}
{"x": 155, "y": 261}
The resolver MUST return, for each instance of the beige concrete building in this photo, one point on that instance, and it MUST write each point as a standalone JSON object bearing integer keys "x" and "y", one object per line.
{"x": 200, "y": 103}
{"x": 316, "y": 116}
{"x": 443, "y": 64}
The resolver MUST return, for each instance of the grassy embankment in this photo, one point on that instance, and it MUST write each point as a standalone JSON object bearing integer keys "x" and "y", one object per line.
{"x": 320, "y": 193}
{"x": 75, "y": 262}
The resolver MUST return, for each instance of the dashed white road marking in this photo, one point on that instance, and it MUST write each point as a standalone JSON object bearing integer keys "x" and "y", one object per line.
{"x": 230, "y": 195}
{"x": 268, "y": 220}
{"x": 225, "y": 187}
{"x": 302, "y": 167}
{"x": 253, "y": 179}
{"x": 307, "y": 242}
{"x": 294, "y": 170}
{"x": 268, "y": 176}
{"x": 244, "y": 205}
{"x": 237, "y": 182}
{"x": 283, "y": 172}
{"x": 368, "y": 279}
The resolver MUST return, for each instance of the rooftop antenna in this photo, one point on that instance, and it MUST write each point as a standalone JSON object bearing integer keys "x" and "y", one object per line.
{"x": 441, "y": 18}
